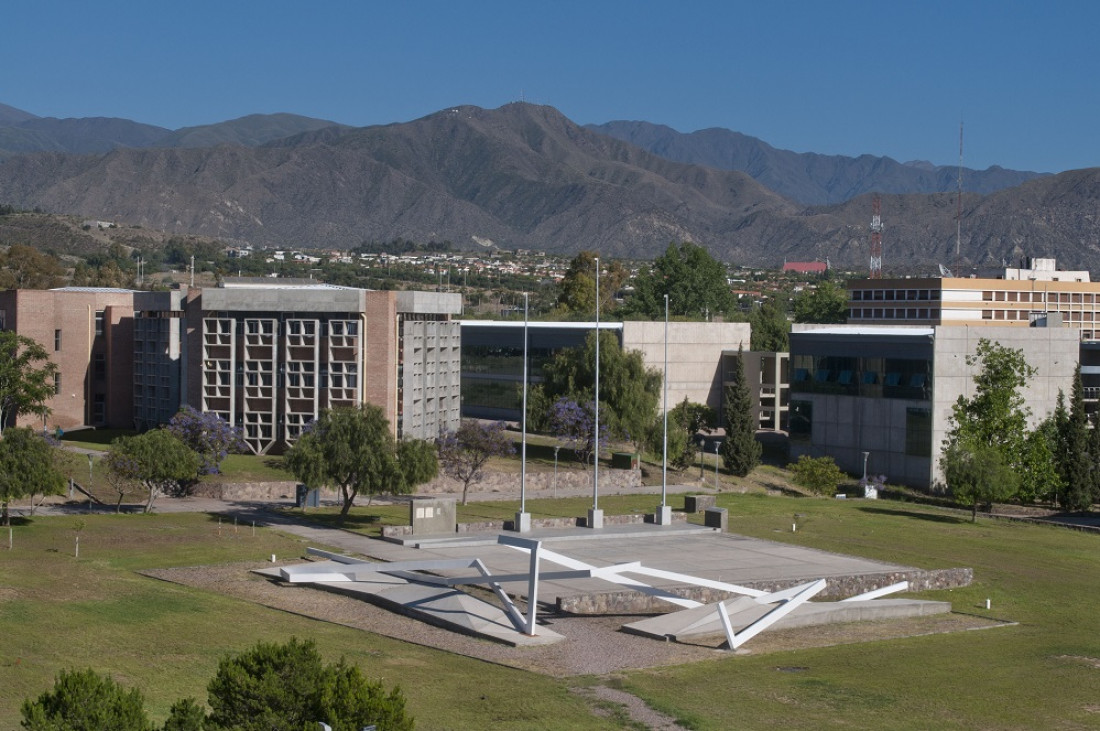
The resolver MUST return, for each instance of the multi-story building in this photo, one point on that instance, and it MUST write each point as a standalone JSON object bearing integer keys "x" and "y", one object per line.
{"x": 1023, "y": 297}
{"x": 87, "y": 333}
{"x": 269, "y": 357}
{"x": 492, "y": 358}
{"x": 881, "y": 396}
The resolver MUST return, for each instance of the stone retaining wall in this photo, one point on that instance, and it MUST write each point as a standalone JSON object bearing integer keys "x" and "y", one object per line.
{"x": 539, "y": 482}
{"x": 840, "y": 587}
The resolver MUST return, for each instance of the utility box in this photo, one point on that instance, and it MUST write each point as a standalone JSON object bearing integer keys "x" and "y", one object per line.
{"x": 432, "y": 515}
{"x": 306, "y": 497}
{"x": 624, "y": 460}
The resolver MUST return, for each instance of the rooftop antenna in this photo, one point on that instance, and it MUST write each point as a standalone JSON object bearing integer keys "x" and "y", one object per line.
{"x": 959, "y": 207}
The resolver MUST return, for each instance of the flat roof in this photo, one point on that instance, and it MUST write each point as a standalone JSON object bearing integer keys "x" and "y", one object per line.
{"x": 542, "y": 324}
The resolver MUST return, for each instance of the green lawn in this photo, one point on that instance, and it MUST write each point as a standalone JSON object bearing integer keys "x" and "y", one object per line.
{"x": 1043, "y": 673}
{"x": 57, "y": 611}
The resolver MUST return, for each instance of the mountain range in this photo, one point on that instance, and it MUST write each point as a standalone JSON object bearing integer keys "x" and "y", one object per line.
{"x": 525, "y": 176}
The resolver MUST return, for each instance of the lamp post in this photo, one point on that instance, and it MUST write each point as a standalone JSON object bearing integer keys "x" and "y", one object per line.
{"x": 523, "y": 518}
{"x": 595, "y": 515}
{"x": 716, "y": 460}
{"x": 556, "y": 448}
{"x": 865, "y": 456}
{"x": 90, "y": 462}
{"x": 702, "y": 455}
{"x": 664, "y": 511}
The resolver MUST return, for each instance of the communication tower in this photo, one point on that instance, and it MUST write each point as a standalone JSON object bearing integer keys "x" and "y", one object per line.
{"x": 876, "y": 238}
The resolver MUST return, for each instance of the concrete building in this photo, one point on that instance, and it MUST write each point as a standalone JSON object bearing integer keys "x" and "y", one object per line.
{"x": 270, "y": 357}
{"x": 1022, "y": 298}
{"x": 768, "y": 375}
{"x": 492, "y": 358}
{"x": 888, "y": 391}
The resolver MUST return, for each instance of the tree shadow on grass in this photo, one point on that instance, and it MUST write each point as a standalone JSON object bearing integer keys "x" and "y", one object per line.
{"x": 934, "y": 517}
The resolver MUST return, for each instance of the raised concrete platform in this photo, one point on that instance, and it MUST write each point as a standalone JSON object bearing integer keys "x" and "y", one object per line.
{"x": 743, "y": 611}
{"x": 441, "y": 606}
{"x": 552, "y": 535}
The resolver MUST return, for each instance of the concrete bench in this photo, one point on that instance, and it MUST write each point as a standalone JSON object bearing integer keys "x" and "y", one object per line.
{"x": 698, "y": 503}
{"x": 716, "y": 518}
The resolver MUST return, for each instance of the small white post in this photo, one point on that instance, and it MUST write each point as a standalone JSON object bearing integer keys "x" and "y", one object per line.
{"x": 77, "y": 554}
{"x": 273, "y": 558}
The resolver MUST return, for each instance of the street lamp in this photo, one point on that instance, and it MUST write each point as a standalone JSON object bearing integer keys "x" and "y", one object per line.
{"x": 90, "y": 470}
{"x": 702, "y": 455}
{"x": 523, "y": 518}
{"x": 865, "y": 456}
{"x": 664, "y": 513}
{"x": 595, "y": 515}
{"x": 556, "y": 448}
{"x": 716, "y": 445}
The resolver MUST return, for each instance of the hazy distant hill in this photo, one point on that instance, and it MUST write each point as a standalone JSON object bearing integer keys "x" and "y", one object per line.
{"x": 22, "y": 132}
{"x": 807, "y": 177}
{"x": 250, "y": 131}
{"x": 525, "y": 176}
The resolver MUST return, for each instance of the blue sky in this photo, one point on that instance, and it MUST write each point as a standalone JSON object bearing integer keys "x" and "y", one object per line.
{"x": 834, "y": 77}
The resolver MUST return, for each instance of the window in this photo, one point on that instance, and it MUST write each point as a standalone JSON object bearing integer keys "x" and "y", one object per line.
{"x": 56, "y": 383}
{"x": 800, "y": 420}
{"x": 918, "y": 432}
{"x": 99, "y": 366}
{"x": 99, "y": 319}
{"x": 56, "y": 340}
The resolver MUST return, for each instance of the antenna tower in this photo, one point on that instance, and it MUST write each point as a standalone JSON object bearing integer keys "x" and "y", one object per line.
{"x": 959, "y": 209}
{"x": 876, "y": 238}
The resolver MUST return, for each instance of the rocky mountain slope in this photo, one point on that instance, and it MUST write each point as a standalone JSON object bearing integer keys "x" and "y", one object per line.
{"x": 524, "y": 176}
{"x": 808, "y": 178}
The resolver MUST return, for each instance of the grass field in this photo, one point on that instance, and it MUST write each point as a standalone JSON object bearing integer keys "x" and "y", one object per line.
{"x": 57, "y": 611}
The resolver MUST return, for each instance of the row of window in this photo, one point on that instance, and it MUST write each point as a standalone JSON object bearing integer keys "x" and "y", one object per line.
{"x": 894, "y": 313}
{"x": 867, "y": 295}
{"x": 918, "y": 427}
{"x": 903, "y": 378}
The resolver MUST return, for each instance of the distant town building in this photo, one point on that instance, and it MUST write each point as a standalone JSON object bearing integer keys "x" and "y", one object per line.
{"x": 805, "y": 267}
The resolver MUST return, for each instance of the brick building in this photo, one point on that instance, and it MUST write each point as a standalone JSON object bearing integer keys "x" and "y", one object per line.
{"x": 88, "y": 333}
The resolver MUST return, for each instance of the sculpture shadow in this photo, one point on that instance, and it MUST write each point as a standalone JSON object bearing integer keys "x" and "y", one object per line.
{"x": 933, "y": 517}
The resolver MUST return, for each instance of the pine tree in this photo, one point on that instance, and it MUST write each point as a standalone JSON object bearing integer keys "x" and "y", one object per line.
{"x": 740, "y": 452}
{"x": 1076, "y": 491}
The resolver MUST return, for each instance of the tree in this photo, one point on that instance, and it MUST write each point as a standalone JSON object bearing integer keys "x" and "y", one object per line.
{"x": 208, "y": 435}
{"x": 277, "y": 687}
{"x": 820, "y": 475}
{"x": 156, "y": 460}
{"x": 24, "y": 267}
{"x": 417, "y": 461}
{"x": 576, "y": 424}
{"x": 26, "y": 378}
{"x": 1077, "y": 464}
{"x": 770, "y": 328}
{"x": 685, "y": 420}
{"x": 577, "y": 290}
{"x": 464, "y": 453}
{"x": 186, "y": 715}
{"x": 628, "y": 390}
{"x": 825, "y": 303}
{"x": 351, "y": 448}
{"x": 82, "y": 700}
{"x": 978, "y": 474}
{"x": 740, "y": 450}
{"x": 695, "y": 282}
{"x": 995, "y": 417}
{"x": 26, "y": 468}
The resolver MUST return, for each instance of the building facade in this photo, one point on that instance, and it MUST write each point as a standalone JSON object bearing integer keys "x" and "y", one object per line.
{"x": 269, "y": 358}
{"x": 87, "y": 333}
{"x": 887, "y": 392}
{"x": 492, "y": 358}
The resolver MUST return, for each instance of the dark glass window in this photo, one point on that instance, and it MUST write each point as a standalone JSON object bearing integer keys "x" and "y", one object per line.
{"x": 918, "y": 432}
{"x": 800, "y": 420}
